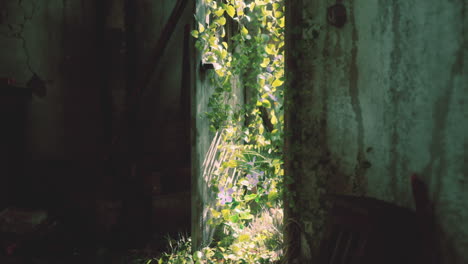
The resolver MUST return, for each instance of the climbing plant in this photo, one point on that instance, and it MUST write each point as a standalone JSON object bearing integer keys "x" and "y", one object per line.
{"x": 243, "y": 40}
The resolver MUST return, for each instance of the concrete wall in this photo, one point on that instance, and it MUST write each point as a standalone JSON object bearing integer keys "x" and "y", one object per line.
{"x": 56, "y": 40}
{"x": 375, "y": 101}
{"x": 33, "y": 40}
{"x": 78, "y": 47}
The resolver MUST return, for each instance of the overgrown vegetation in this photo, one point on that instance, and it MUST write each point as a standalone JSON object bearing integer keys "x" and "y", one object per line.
{"x": 244, "y": 41}
{"x": 260, "y": 242}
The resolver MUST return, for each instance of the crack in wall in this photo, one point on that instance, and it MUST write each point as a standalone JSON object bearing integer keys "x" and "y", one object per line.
{"x": 16, "y": 31}
{"x": 20, "y": 34}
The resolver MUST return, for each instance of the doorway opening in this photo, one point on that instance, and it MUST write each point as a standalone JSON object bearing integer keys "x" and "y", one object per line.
{"x": 237, "y": 107}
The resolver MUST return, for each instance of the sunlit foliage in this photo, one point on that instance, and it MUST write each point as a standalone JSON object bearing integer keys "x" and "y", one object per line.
{"x": 244, "y": 41}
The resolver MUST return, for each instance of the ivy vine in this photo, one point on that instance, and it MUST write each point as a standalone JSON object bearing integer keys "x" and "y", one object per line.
{"x": 244, "y": 41}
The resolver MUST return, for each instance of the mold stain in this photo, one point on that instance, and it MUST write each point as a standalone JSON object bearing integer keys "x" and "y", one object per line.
{"x": 394, "y": 83}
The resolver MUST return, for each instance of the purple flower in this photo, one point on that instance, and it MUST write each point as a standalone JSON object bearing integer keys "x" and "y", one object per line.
{"x": 225, "y": 195}
{"x": 269, "y": 69}
{"x": 253, "y": 179}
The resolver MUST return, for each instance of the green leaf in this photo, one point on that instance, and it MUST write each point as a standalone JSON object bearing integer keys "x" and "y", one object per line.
{"x": 221, "y": 21}
{"x": 195, "y": 33}
{"x": 223, "y": 54}
{"x": 277, "y": 83}
{"x": 234, "y": 204}
{"x": 219, "y": 12}
{"x": 201, "y": 28}
{"x": 250, "y": 197}
{"x": 266, "y": 104}
{"x": 244, "y": 31}
{"x": 223, "y": 32}
{"x": 268, "y": 50}
{"x": 230, "y": 10}
{"x": 212, "y": 40}
{"x": 226, "y": 214}
{"x": 265, "y": 62}
{"x": 234, "y": 218}
{"x": 261, "y": 129}
{"x": 274, "y": 120}
{"x": 278, "y": 14}
{"x": 273, "y": 195}
{"x": 281, "y": 22}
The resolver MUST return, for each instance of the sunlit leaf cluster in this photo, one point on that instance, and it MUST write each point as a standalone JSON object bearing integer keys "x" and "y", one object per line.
{"x": 244, "y": 42}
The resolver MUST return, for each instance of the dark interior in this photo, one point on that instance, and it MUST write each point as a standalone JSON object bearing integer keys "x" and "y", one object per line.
{"x": 111, "y": 178}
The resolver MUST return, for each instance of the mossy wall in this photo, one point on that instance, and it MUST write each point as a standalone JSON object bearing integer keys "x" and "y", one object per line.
{"x": 372, "y": 102}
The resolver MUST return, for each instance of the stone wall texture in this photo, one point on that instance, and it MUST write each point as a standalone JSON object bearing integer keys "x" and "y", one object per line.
{"x": 372, "y": 102}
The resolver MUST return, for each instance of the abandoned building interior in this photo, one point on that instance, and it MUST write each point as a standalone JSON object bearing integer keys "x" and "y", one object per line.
{"x": 103, "y": 135}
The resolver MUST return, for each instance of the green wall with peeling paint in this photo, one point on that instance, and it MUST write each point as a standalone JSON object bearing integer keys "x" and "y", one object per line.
{"x": 375, "y": 101}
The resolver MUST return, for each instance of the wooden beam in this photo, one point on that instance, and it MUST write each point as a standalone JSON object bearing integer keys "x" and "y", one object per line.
{"x": 164, "y": 38}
